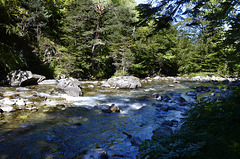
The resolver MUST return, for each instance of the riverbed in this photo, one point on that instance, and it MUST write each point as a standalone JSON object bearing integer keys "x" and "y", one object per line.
{"x": 59, "y": 126}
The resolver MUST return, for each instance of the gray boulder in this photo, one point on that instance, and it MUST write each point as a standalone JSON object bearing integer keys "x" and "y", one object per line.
{"x": 168, "y": 123}
{"x": 70, "y": 86}
{"x": 165, "y": 108}
{"x": 23, "y": 78}
{"x": 136, "y": 141}
{"x": 127, "y": 82}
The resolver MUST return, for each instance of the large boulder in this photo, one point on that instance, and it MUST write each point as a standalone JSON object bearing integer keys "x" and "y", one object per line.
{"x": 128, "y": 82}
{"x": 23, "y": 78}
{"x": 70, "y": 86}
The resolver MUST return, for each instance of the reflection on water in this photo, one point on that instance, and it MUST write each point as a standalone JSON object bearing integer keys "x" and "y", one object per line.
{"x": 53, "y": 132}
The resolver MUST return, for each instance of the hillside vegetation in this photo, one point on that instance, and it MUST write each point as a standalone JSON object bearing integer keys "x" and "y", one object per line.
{"x": 91, "y": 39}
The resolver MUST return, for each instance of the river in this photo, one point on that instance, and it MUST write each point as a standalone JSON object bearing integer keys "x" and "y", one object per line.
{"x": 78, "y": 123}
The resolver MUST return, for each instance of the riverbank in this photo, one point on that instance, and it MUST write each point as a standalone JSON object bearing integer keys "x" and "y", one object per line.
{"x": 211, "y": 130}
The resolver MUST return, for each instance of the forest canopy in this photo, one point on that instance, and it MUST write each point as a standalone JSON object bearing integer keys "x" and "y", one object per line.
{"x": 95, "y": 39}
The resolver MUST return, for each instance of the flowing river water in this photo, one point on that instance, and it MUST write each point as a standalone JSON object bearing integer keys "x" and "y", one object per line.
{"x": 75, "y": 124}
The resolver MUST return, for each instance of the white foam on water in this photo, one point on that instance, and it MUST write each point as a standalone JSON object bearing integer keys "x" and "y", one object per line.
{"x": 137, "y": 105}
{"x": 133, "y": 106}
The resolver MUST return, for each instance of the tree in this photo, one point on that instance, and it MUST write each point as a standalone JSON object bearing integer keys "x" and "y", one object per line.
{"x": 209, "y": 17}
{"x": 17, "y": 42}
{"x": 121, "y": 37}
{"x": 37, "y": 17}
{"x": 94, "y": 31}
{"x": 156, "y": 54}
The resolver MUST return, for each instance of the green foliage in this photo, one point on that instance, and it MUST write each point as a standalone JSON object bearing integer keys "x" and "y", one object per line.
{"x": 210, "y": 131}
{"x": 37, "y": 17}
{"x": 10, "y": 59}
{"x": 105, "y": 37}
{"x": 163, "y": 53}
{"x": 96, "y": 33}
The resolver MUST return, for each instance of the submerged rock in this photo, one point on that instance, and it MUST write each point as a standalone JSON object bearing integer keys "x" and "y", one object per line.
{"x": 165, "y": 108}
{"x": 163, "y": 131}
{"x": 191, "y": 93}
{"x": 202, "y": 89}
{"x": 180, "y": 100}
{"x": 136, "y": 141}
{"x": 93, "y": 154}
{"x": 168, "y": 123}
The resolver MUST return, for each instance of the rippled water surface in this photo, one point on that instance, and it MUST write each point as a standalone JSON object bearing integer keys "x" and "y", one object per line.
{"x": 65, "y": 133}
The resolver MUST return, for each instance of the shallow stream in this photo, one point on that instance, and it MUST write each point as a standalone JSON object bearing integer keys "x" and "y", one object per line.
{"x": 64, "y": 131}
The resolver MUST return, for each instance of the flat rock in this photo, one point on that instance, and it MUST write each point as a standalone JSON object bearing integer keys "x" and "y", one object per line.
{"x": 49, "y": 82}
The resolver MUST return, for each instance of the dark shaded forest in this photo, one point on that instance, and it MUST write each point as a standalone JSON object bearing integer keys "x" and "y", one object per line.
{"x": 96, "y": 39}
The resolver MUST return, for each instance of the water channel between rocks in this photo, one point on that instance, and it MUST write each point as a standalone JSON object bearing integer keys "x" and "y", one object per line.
{"x": 63, "y": 126}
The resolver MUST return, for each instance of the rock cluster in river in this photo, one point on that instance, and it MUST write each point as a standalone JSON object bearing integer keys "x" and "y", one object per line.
{"x": 212, "y": 93}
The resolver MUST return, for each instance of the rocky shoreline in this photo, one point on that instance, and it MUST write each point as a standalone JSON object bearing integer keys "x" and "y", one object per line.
{"x": 196, "y": 78}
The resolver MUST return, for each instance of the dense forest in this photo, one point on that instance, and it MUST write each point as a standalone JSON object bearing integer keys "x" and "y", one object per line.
{"x": 95, "y": 39}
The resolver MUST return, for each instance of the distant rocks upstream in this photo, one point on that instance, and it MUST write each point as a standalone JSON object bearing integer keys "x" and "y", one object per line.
{"x": 213, "y": 79}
